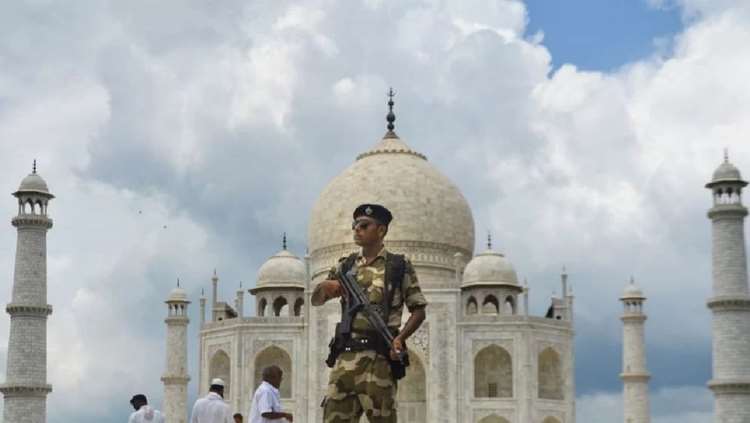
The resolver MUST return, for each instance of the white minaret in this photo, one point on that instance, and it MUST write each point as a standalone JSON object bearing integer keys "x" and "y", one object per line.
{"x": 634, "y": 375}
{"x": 730, "y": 303}
{"x": 175, "y": 377}
{"x": 25, "y": 388}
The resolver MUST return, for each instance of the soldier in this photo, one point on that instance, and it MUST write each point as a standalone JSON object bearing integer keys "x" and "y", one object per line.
{"x": 362, "y": 380}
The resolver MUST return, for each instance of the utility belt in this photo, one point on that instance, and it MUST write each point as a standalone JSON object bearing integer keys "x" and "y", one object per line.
{"x": 366, "y": 341}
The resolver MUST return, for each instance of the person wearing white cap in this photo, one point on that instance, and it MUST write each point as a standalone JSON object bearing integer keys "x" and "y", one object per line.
{"x": 212, "y": 408}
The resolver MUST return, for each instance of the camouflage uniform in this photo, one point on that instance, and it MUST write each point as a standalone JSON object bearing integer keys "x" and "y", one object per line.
{"x": 361, "y": 381}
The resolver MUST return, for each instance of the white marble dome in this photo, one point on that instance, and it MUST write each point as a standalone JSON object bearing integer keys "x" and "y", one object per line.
{"x": 427, "y": 207}
{"x": 283, "y": 269}
{"x": 632, "y": 291}
{"x": 489, "y": 268}
{"x": 726, "y": 172}
{"x": 178, "y": 294}
{"x": 34, "y": 183}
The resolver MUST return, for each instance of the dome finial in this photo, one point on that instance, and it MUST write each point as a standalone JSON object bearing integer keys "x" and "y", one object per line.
{"x": 391, "y": 117}
{"x": 632, "y": 280}
{"x": 178, "y": 282}
{"x": 726, "y": 155}
{"x": 283, "y": 241}
{"x": 489, "y": 240}
{"x": 33, "y": 167}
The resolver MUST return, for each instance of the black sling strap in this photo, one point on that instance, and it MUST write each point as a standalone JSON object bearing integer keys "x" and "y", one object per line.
{"x": 395, "y": 270}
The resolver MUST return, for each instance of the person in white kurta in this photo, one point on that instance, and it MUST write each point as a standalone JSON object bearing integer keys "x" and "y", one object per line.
{"x": 143, "y": 412}
{"x": 212, "y": 408}
{"x": 266, "y": 405}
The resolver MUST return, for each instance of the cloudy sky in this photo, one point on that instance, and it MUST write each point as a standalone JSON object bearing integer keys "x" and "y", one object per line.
{"x": 183, "y": 136}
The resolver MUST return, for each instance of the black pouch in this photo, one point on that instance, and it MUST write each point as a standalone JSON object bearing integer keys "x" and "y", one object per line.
{"x": 335, "y": 347}
{"x": 398, "y": 368}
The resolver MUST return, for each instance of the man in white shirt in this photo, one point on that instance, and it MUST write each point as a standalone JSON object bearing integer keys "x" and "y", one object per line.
{"x": 266, "y": 406}
{"x": 143, "y": 412}
{"x": 212, "y": 408}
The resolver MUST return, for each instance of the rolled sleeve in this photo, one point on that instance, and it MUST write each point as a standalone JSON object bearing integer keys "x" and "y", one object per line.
{"x": 318, "y": 297}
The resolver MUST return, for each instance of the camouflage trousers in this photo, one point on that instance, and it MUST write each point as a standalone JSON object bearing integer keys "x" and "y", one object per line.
{"x": 360, "y": 382}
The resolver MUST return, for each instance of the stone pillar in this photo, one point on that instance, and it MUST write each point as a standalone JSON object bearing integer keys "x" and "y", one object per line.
{"x": 730, "y": 303}
{"x": 25, "y": 389}
{"x": 175, "y": 377}
{"x": 634, "y": 374}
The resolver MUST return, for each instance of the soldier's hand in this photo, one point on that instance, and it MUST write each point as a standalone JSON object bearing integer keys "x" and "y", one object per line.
{"x": 398, "y": 346}
{"x": 331, "y": 288}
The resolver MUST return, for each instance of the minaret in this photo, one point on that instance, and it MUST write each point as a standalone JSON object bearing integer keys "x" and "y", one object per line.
{"x": 175, "y": 377}
{"x": 730, "y": 303}
{"x": 26, "y": 388}
{"x": 203, "y": 307}
{"x": 634, "y": 375}
{"x": 214, "y": 296}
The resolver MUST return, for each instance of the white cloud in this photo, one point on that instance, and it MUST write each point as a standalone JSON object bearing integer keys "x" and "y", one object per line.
{"x": 225, "y": 122}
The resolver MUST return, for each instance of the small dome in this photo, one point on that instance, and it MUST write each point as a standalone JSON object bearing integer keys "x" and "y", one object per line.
{"x": 489, "y": 268}
{"x": 632, "y": 291}
{"x": 726, "y": 172}
{"x": 34, "y": 183}
{"x": 178, "y": 294}
{"x": 284, "y": 269}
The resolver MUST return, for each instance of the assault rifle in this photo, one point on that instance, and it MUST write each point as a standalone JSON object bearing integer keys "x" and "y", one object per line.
{"x": 358, "y": 301}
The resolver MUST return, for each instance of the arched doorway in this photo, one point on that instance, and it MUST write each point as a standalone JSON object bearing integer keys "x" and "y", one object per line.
{"x": 274, "y": 355}
{"x": 220, "y": 366}
{"x": 493, "y": 373}
{"x": 492, "y": 418}
{"x": 550, "y": 375}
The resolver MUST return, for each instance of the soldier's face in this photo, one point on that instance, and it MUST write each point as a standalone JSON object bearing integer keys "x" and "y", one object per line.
{"x": 366, "y": 231}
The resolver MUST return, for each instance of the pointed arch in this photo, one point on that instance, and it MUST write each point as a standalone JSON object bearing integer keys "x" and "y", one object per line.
{"x": 471, "y": 306}
{"x": 299, "y": 307}
{"x": 493, "y": 373}
{"x": 490, "y": 305}
{"x": 550, "y": 375}
{"x": 493, "y": 418}
{"x": 280, "y": 306}
{"x": 262, "y": 304}
{"x": 412, "y": 392}
{"x": 277, "y": 356}
{"x": 509, "y": 305}
{"x": 220, "y": 366}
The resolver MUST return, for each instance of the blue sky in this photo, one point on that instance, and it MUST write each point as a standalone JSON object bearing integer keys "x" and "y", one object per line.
{"x": 584, "y": 149}
{"x": 602, "y": 35}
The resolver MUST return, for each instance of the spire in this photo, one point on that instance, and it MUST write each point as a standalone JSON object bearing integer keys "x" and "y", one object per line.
{"x": 726, "y": 155}
{"x": 178, "y": 282}
{"x": 283, "y": 241}
{"x": 203, "y": 292}
{"x": 489, "y": 240}
{"x": 33, "y": 167}
{"x": 391, "y": 117}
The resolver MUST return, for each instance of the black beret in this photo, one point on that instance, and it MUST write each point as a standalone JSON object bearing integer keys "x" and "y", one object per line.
{"x": 375, "y": 211}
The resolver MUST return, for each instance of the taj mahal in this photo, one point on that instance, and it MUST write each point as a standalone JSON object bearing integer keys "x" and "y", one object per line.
{"x": 480, "y": 356}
